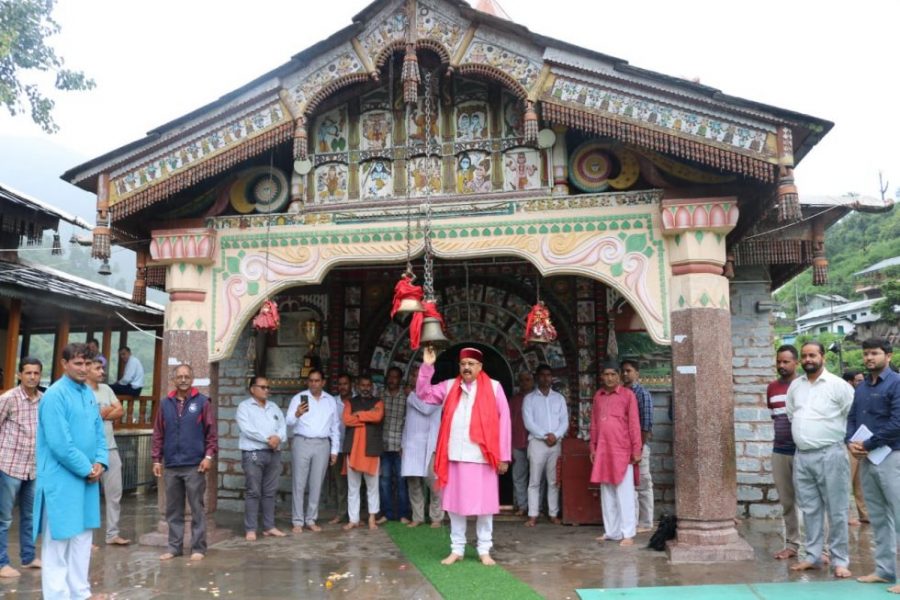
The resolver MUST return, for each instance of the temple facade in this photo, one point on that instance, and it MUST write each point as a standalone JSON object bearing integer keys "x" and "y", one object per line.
{"x": 652, "y": 215}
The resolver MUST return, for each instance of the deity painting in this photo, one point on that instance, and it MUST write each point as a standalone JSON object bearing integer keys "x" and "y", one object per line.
{"x": 473, "y": 173}
{"x": 423, "y": 170}
{"x": 331, "y": 131}
{"x": 375, "y": 130}
{"x": 522, "y": 169}
{"x": 513, "y": 118}
{"x": 331, "y": 183}
{"x": 585, "y": 311}
{"x": 417, "y": 125}
{"x": 376, "y": 179}
{"x": 471, "y": 122}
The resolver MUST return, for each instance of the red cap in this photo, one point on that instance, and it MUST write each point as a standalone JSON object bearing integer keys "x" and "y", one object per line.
{"x": 473, "y": 353}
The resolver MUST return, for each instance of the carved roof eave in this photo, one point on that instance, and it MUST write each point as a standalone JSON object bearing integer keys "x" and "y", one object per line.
{"x": 808, "y": 130}
{"x": 264, "y": 87}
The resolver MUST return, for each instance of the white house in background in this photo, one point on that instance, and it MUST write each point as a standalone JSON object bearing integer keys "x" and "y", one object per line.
{"x": 836, "y": 318}
{"x": 818, "y": 301}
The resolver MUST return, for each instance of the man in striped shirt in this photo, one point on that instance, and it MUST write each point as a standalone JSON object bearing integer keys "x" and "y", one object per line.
{"x": 18, "y": 431}
{"x": 783, "y": 448}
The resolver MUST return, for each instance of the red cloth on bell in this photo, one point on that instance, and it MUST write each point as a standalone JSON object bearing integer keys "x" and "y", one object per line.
{"x": 405, "y": 290}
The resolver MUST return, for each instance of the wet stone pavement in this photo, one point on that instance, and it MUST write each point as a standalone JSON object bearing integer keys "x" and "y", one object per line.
{"x": 554, "y": 560}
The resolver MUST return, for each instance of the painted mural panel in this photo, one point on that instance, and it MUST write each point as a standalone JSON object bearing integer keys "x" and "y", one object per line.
{"x": 375, "y": 130}
{"x": 471, "y": 122}
{"x": 376, "y": 179}
{"x": 473, "y": 173}
{"x": 417, "y": 127}
{"x": 513, "y": 117}
{"x": 421, "y": 171}
{"x": 331, "y": 131}
{"x": 522, "y": 169}
{"x": 434, "y": 25}
{"x": 331, "y": 183}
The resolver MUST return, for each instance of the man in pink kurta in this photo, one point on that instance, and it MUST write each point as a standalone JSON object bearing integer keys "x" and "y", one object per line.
{"x": 615, "y": 448}
{"x": 473, "y": 447}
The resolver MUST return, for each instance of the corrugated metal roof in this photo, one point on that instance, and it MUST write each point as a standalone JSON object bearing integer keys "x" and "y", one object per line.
{"x": 8, "y": 194}
{"x": 838, "y": 309}
{"x": 884, "y": 264}
{"x": 18, "y": 278}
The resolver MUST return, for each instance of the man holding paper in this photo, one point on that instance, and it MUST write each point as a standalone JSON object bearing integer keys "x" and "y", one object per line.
{"x": 873, "y": 436}
{"x": 817, "y": 405}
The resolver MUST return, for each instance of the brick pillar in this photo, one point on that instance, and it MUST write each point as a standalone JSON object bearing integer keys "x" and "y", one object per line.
{"x": 705, "y": 470}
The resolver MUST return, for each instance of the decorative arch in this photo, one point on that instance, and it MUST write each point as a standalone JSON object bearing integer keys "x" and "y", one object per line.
{"x": 494, "y": 74}
{"x": 616, "y": 241}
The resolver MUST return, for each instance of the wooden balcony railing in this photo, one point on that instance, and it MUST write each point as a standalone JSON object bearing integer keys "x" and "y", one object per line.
{"x": 139, "y": 412}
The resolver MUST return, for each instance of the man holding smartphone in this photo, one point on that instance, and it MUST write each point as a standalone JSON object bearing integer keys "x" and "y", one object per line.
{"x": 313, "y": 420}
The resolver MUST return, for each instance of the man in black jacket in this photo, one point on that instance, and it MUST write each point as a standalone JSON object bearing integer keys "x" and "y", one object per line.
{"x": 363, "y": 416}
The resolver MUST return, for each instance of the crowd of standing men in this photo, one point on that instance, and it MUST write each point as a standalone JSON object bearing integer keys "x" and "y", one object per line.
{"x": 439, "y": 447}
{"x": 822, "y": 421}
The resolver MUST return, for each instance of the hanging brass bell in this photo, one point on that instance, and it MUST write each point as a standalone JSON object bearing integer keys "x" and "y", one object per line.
{"x": 538, "y": 337}
{"x": 410, "y": 305}
{"x": 433, "y": 333}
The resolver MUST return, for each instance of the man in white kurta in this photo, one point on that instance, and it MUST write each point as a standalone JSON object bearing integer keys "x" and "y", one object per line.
{"x": 467, "y": 469}
{"x": 546, "y": 418}
{"x": 817, "y": 404}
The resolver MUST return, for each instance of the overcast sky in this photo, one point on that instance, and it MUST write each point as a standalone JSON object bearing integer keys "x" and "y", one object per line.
{"x": 155, "y": 61}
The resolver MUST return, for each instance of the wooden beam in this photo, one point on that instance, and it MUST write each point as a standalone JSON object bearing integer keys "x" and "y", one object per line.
{"x": 106, "y": 342}
{"x": 12, "y": 343}
{"x": 62, "y": 338}
{"x": 158, "y": 366}
{"x": 123, "y": 341}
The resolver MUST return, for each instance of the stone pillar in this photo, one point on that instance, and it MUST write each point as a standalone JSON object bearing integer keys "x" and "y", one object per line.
{"x": 188, "y": 255}
{"x": 704, "y": 447}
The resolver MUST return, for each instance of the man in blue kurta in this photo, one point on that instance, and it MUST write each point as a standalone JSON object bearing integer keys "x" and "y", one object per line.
{"x": 71, "y": 457}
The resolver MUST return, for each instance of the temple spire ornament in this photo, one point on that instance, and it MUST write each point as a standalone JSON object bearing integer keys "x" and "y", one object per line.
{"x": 301, "y": 139}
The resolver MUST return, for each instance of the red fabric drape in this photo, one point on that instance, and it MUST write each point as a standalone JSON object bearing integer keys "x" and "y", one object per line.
{"x": 484, "y": 429}
{"x": 405, "y": 290}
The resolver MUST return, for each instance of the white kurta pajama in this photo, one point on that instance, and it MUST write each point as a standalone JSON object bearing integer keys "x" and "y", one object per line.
{"x": 420, "y": 433}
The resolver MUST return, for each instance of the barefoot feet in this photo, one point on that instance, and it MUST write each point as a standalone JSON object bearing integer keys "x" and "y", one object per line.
{"x": 452, "y": 558}
{"x": 804, "y": 566}
{"x": 373, "y": 523}
{"x": 486, "y": 560}
{"x": 531, "y": 522}
{"x": 627, "y": 542}
{"x": 785, "y": 553}
{"x": 871, "y": 578}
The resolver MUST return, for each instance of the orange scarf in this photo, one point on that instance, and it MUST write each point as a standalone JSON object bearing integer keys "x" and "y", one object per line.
{"x": 484, "y": 429}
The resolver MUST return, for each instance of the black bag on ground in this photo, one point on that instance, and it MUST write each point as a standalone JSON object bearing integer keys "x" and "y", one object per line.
{"x": 664, "y": 532}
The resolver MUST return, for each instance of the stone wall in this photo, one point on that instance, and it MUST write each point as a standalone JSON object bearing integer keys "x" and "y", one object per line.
{"x": 233, "y": 373}
{"x": 754, "y": 367}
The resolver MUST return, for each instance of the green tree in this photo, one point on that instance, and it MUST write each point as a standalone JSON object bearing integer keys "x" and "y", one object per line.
{"x": 886, "y": 307}
{"x": 24, "y": 27}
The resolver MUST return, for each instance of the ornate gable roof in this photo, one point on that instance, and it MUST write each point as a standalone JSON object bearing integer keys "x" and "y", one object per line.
{"x": 567, "y": 84}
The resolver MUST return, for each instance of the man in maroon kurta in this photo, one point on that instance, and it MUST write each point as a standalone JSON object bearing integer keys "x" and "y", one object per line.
{"x": 615, "y": 448}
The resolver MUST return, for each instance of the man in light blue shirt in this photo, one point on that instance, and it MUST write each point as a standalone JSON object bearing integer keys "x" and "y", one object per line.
{"x": 262, "y": 430}
{"x": 546, "y": 419}
{"x": 313, "y": 421}
{"x": 133, "y": 378}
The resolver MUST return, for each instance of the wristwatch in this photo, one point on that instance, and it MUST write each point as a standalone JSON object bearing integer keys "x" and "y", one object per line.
{"x": 207, "y": 457}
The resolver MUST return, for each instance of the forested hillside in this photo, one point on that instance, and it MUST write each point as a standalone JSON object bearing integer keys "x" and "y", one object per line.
{"x": 857, "y": 241}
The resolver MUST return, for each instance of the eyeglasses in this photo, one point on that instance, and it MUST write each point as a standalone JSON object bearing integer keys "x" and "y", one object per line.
{"x": 262, "y": 387}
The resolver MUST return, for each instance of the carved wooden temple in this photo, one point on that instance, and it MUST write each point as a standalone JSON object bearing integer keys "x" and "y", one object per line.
{"x": 625, "y": 199}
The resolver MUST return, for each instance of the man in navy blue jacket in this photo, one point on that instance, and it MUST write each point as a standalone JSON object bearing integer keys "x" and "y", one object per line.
{"x": 185, "y": 440}
{"x": 876, "y": 404}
